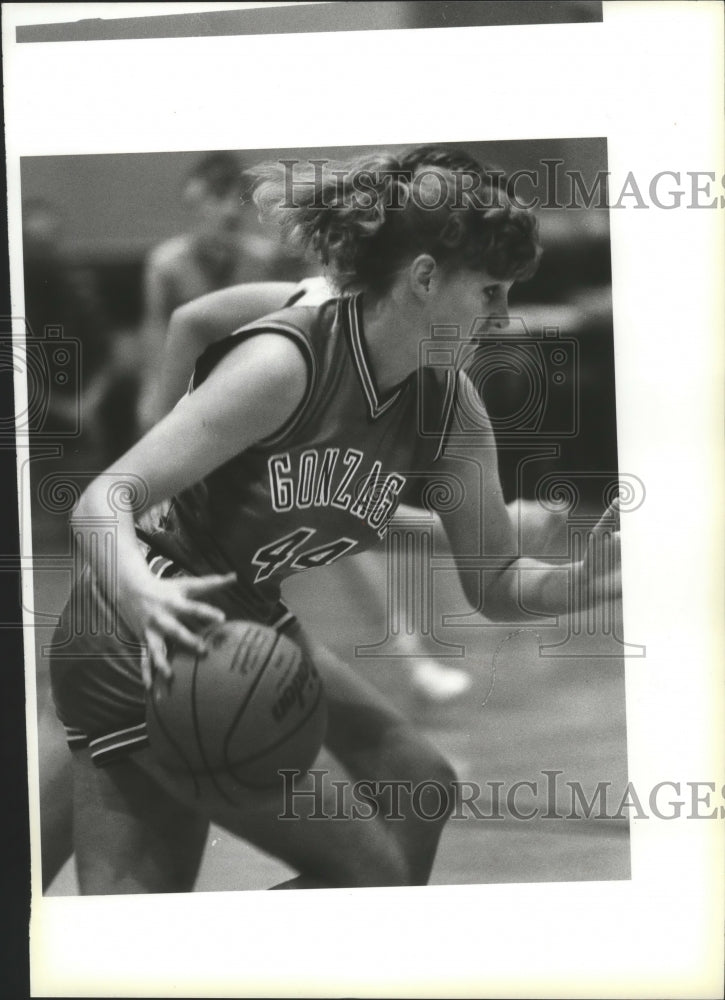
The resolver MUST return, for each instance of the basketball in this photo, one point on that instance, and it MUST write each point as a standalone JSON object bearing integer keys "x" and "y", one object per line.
{"x": 233, "y": 717}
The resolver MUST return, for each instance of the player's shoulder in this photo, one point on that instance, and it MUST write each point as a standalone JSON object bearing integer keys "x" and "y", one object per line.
{"x": 270, "y": 352}
{"x": 312, "y": 315}
{"x": 298, "y": 330}
{"x": 280, "y": 338}
{"x": 267, "y": 357}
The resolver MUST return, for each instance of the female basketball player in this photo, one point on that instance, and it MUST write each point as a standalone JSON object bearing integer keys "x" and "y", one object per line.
{"x": 333, "y": 388}
{"x": 213, "y": 254}
{"x": 183, "y": 316}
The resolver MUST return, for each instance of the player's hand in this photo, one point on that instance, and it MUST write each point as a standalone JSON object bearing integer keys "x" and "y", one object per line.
{"x": 167, "y": 611}
{"x": 598, "y": 577}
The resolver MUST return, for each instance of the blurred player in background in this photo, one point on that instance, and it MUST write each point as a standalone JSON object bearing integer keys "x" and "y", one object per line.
{"x": 216, "y": 251}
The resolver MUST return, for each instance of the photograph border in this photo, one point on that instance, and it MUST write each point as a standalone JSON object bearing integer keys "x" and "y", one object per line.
{"x": 665, "y": 927}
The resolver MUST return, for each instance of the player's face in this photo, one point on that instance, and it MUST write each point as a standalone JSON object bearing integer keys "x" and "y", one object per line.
{"x": 473, "y": 301}
{"x": 220, "y": 216}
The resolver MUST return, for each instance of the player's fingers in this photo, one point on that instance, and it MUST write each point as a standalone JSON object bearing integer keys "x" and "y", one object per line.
{"x": 171, "y": 628}
{"x": 205, "y": 613}
{"x": 203, "y": 584}
{"x": 157, "y": 657}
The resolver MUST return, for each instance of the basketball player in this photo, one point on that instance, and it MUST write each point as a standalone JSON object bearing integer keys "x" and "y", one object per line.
{"x": 187, "y": 307}
{"x": 200, "y": 325}
{"x": 291, "y": 450}
{"x": 432, "y": 680}
{"x": 213, "y": 254}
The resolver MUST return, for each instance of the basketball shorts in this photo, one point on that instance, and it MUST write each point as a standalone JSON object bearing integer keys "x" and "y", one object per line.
{"x": 95, "y": 663}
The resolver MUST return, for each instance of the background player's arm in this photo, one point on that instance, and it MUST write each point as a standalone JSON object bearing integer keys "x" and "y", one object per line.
{"x": 248, "y": 396}
{"x": 157, "y": 308}
{"x": 196, "y": 325}
{"x": 481, "y": 528}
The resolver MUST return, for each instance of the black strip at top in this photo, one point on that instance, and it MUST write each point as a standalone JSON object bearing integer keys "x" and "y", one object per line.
{"x": 351, "y": 15}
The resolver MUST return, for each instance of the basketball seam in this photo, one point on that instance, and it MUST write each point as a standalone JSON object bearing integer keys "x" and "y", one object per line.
{"x": 197, "y": 733}
{"x": 175, "y": 745}
{"x": 240, "y": 711}
{"x": 291, "y": 732}
{"x": 272, "y": 746}
{"x": 227, "y": 767}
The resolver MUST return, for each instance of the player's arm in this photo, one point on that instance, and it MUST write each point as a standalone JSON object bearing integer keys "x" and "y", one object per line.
{"x": 484, "y": 541}
{"x": 196, "y": 325}
{"x": 251, "y": 393}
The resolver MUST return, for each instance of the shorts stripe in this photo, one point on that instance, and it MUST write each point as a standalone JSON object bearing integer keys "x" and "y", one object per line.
{"x": 170, "y": 570}
{"x": 103, "y": 747}
{"x": 141, "y": 727}
{"x": 75, "y": 737}
{"x": 158, "y": 564}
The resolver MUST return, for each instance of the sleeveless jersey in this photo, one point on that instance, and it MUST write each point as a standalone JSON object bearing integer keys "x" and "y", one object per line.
{"x": 327, "y": 483}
